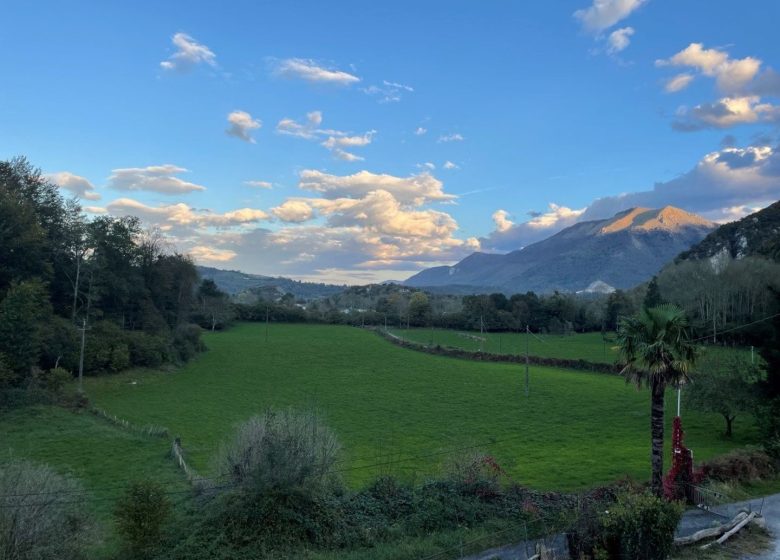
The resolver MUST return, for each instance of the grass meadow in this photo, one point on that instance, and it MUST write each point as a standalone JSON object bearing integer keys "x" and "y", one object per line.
{"x": 397, "y": 411}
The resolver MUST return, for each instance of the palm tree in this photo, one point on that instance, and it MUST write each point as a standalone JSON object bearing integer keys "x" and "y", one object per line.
{"x": 656, "y": 351}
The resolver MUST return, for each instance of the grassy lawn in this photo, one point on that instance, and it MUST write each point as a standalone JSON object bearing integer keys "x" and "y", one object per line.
{"x": 102, "y": 456}
{"x": 387, "y": 403}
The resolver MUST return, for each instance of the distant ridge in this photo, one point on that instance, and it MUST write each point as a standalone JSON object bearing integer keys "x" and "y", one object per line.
{"x": 757, "y": 234}
{"x": 618, "y": 252}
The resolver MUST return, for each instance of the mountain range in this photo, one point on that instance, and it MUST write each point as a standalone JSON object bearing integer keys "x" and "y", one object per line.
{"x": 619, "y": 252}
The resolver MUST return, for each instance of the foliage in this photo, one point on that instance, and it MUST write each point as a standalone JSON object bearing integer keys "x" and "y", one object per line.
{"x": 21, "y": 313}
{"x": 281, "y": 452}
{"x": 141, "y": 514}
{"x": 640, "y": 527}
{"x": 42, "y": 514}
{"x": 739, "y": 465}
{"x": 724, "y": 386}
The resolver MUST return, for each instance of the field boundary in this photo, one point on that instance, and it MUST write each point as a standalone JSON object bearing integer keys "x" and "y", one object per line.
{"x": 438, "y": 350}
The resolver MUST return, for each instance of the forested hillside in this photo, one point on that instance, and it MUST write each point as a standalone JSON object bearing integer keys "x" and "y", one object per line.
{"x": 62, "y": 272}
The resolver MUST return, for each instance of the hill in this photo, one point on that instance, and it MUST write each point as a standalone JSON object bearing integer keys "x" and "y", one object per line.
{"x": 235, "y": 282}
{"x": 755, "y": 235}
{"x": 621, "y": 252}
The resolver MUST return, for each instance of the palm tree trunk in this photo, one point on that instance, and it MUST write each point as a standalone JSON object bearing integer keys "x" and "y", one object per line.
{"x": 657, "y": 438}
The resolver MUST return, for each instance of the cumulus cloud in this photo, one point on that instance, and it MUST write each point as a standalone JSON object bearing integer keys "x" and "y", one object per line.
{"x": 502, "y": 221}
{"x": 731, "y": 75}
{"x": 509, "y": 236}
{"x": 678, "y": 82}
{"x": 189, "y": 53}
{"x": 74, "y": 184}
{"x": 308, "y": 129}
{"x": 311, "y": 71}
{"x": 156, "y": 178}
{"x": 180, "y": 215}
{"x": 730, "y": 177}
{"x": 259, "y": 184}
{"x": 294, "y": 210}
{"x": 388, "y": 92}
{"x": 619, "y": 39}
{"x": 449, "y": 165}
{"x": 419, "y": 131}
{"x": 726, "y": 112}
{"x": 603, "y": 14}
{"x": 456, "y": 137}
{"x": 241, "y": 126}
{"x": 201, "y": 253}
{"x": 413, "y": 190}
{"x": 337, "y": 145}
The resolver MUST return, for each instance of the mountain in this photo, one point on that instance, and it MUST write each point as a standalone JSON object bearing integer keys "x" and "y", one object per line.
{"x": 235, "y": 282}
{"x": 619, "y": 252}
{"x": 754, "y": 235}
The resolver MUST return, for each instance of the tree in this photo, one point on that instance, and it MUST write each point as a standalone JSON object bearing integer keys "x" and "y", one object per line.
{"x": 726, "y": 388}
{"x": 419, "y": 309}
{"x": 21, "y": 313}
{"x": 653, "y": 295}
{"x": 656, "y": 351}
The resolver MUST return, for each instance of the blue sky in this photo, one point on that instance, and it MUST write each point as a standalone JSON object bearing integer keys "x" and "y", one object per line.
{"x": 312, "y": 139}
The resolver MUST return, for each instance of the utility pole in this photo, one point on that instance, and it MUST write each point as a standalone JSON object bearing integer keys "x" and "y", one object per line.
{"x": 266, "y": 323}
{"x": 527, "y": 334}
{"x": 678, "y": 399}
{"x": 81, "y": 356}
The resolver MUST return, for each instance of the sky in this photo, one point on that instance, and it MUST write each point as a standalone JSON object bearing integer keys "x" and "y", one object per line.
{"x": 355, "y": 142}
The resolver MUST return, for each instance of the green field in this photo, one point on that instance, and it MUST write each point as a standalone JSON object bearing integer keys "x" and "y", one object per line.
{"x": 392, "y": 405}
{"x": 592, "y": 346}
{"x": 580, "y": 346}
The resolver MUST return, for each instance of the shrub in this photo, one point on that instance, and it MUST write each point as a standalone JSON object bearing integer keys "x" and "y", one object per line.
{"x": 282, "y": 451}
{"x": 740, "y": 465}
{"x": 52, "y": 381}
{"x": 640, "y": 527}
{"x": 42, "y": 514}
{"x": 146, "y": 350}
{"x": 186, "y": 342}
{"x": 140, "y": 516}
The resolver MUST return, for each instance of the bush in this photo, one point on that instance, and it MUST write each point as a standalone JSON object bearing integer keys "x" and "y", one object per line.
{"x": 640, "y": 527}
{"x": 146, "y": 350}
{"x": 52, "y": 381}
{"x": 140, "y": 516}
{"x": 740, "y": 465}
{"x": 57, "y": 525}
{"x": 282, "y": 451}
{"x": 186, "y": 342}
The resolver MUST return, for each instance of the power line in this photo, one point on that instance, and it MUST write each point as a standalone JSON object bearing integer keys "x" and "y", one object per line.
{"x": 738, "y": 327}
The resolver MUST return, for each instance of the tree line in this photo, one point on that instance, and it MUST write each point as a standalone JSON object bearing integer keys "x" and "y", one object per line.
{"x": 62, "y": 272}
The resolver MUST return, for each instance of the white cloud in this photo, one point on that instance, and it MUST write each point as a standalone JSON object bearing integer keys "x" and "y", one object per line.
{"x": 294, "y": 210}
{"x": 259, "y": 184}
{"x": 619, "y": 39}
{"x": 74, "y": 184}
{"x": 180, "y": 215}
{"x": 310, "y": 71}
{"x": 189, "y": 53}
{"x": 309, "y": 129}
{"x": 388, "y": 92}
{"x": 731, "y": 75}
{"x": 726, "y": 112}
{"x": 241, "y": 126}
{"x": 335, "y": 140}
{"x": 603, "y": 14}
{"x": 510, "y": 236}
{"x": 201, "y": 253}
{"x": 502, "y": 221}
{"x": 450, "y": 165}
{"x": 155, "y": 178}
{"x": 94, "y": 209}
{"x": 426, "y": 165}
{"x": 413, "y": 190}
{"x": 678, "y": 82}
{"x": 419, "y": 131}
{"x": 456, "y": 137}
